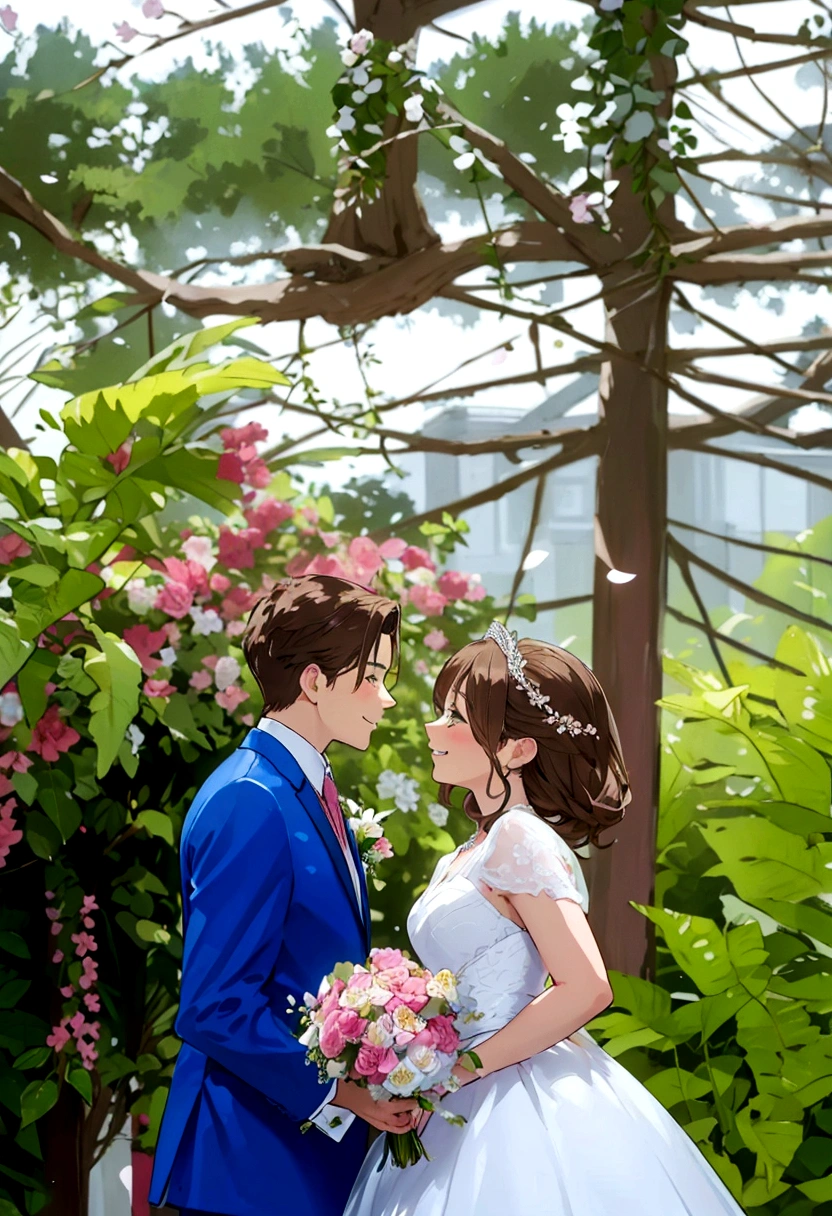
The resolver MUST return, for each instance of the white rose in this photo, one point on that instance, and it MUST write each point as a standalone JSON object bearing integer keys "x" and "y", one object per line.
{"x": 438, "y": 814}
{"x": 377, "y": 1034}
{"x": 200, "y": 549}
{"x": 403, "y": 1080}
{"x": 226, "y": 671}
{"x": 424, "y": 1058}
{"x": 206, "y": 621}
{"x": 443, "y": 985}
{"x": 336, "y": 1069}
{"x": 140, "y": 597}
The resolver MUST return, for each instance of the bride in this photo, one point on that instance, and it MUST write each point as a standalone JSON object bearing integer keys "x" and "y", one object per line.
{"x": 554, "y": 1126}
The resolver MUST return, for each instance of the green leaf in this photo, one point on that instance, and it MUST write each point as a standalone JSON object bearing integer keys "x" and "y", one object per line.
{"x": 86, "y": 542}
{"x": 36, "y": 1100}
{"x": 37, "y": 573}
{"x": 40, "y": 608}
{"x": 157, "y": 824}
{"x": 35, "y": 1057}
{"x": 80, "y": 1079}
{"x": 14, "y": 944}
{"x": 14, "y": 651}
{"x": 31, "y": 683}
{"x": 765, "y": 862}
{"x": 698, "y": 946}
{"x": 677, "y": 1085}
{"x": 117, "y": 672}
{"x": 42, "y": 836}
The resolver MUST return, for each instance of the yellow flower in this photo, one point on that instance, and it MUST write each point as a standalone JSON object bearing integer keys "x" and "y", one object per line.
{"x": 443, "y": 985}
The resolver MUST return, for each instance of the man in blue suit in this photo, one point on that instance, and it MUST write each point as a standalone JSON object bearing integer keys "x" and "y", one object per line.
{"x": 273, "y": 896}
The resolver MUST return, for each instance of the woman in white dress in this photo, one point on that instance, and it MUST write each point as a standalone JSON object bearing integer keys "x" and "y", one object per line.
{"x": 554, "y": 1126}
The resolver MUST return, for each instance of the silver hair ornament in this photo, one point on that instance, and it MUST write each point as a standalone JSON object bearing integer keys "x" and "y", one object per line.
{"x": 507, "y": 642}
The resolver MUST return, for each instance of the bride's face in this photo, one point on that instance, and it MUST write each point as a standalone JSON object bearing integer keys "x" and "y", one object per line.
{"x": 457, "y": 757}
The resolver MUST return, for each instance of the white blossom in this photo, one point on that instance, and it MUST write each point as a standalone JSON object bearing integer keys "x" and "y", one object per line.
{"x": 361, "y": 42}
{"x": 413, "y": 108}
{"x": 361, "y": 76}
{"x": 11, "y": 709}
{"x": 135, "y": 737}
{"x": 206, "y": 620}
{"x": 403, "y": 790}
{"x": 438, "y": 814}
{"x": 200, "y": 549}
{"x": 168, "y": 656}
{"x": 140, "y": 597}
{"x": 346, "y": 119}
{"x": 348, "y": 57}
{"x": 374, "y": 86}
{"x": 465, "y": 161}
{"x": 226, "y": 671}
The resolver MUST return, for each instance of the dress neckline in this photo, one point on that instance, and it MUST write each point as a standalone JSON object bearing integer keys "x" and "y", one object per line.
{"x": 472, "y": 850}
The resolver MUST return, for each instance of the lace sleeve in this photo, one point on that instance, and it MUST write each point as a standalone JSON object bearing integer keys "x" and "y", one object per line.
{"x": 524, "y": 856}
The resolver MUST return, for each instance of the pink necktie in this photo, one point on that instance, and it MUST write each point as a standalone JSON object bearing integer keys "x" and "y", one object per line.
{"x": 332, "y": 806}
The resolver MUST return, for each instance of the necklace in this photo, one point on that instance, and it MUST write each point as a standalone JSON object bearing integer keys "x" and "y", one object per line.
{"x": 469, "y": 843}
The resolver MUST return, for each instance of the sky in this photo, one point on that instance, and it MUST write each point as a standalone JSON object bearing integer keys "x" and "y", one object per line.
{"x": 428, "y": 344}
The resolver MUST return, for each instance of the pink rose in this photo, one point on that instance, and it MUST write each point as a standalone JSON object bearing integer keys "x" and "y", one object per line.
{"x": 52, "y": 735}
{"x": 230, "y": 468}
{"x": 235, "y": 437}
{"x": 269, "y": 514}
{"x": 475, "y": 591}
{"x": 373, "y": 1061}
{"x": 383, "y": 847}
{"x": 392, "y": 549}
{"x": 453, "y": 584}
{"x": 329, "y": 1000}
{"x": 365, "y": 556}
{"x": 201, "y": 680}
{"x": 427, "y": 600}
{"x": 144, "y": 642}
{"x": 350, "y": 1024}
{"x": 326, "y": 563}
{"x": 414, "y": 558}
{"x": 413, "y": 993}
{"x": 386, "y": 958}
{"x": 220, "y": 583}
{"x": 332, "y": 1041}
{"x": 445, "y": 1037}
{"x": 257, "y": 473}
{"x": 435, "y": 640}
{"x": 158, "y": 688}
{"x": 120, "y": 458}
{"x": 237, "y": 603}
{"x": 190, "y": 573}
{"x": 175, "y": 599}
{"x": 12, "y": 546}
{"x": 359, "y": 981}
{"x": 231, "y": 697}
{"x": 236, "y": 549}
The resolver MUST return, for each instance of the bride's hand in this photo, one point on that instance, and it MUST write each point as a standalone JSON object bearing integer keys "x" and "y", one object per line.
{"x": 398, "y": 1115}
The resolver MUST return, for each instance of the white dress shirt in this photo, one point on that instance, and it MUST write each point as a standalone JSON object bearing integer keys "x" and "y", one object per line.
{"x": 332, "y": 1120}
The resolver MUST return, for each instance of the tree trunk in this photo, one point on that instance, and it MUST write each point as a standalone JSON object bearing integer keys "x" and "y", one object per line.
{"x": 61, "y": 1140}
{"x": 631, "y": 514}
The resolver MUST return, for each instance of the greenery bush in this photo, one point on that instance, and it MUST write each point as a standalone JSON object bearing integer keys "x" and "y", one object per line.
{"x": 123, "y": 687}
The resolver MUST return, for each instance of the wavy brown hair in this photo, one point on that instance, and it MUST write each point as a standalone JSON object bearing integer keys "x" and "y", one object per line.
{"x": 577, "y": 783}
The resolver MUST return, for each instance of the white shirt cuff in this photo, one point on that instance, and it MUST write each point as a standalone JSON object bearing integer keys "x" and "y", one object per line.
{"x": 333, "y": 1121}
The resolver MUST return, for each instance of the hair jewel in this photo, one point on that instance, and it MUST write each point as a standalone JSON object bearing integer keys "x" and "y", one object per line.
{"x": 507, "y": 642}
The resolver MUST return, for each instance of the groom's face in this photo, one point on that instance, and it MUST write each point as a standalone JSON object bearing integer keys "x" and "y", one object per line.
{"x": 351, "y": 714}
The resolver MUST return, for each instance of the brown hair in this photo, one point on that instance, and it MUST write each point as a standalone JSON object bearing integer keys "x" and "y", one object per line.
{"x": 319, "y": 619}
{"x": 579, "y": 781}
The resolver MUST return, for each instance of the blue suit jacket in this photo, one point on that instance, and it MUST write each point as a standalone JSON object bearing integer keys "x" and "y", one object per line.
{"x": 268, "y": 909}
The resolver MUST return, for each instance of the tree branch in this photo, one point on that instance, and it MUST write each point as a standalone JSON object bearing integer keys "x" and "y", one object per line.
{"x": 744, "y": 31}
{"x": 755, "y": 69}
{"x": 568, "y": 602}
{"x": 540, "y": 490}
{"x": 714, "y": 636}
{"x": 751, "y": 236}
{"x": 586, "y": 443}
{"x": 785, "y": 394}
{"x": 756, "y": 545}
{"x": 765, "y": 462}
{"x": 679, "y": 555}
{"x": 751, "y": 593}
{"x": 338, "y": 284}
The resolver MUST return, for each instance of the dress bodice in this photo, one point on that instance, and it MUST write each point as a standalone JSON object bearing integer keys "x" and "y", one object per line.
{"x": 454, "y": 925}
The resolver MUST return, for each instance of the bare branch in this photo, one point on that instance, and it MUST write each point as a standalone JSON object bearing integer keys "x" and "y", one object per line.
{"x": 756, "y": 267}
{"x": 540, "y": 490}
{"x": 680, "y": 556}
{"x": 765, "y": 462}
{"x": 803, "y": 164}
{"x": 568, "y": 602}
{"x": 185, "y": 29}
{"x": 744, "y": 31}
{"x": 755, "y": 69}
{"x": 587, "y": 443}
{"x": 753, "y": 236}
{"x": 751, "y": 593}
{"x": 715, "y": 636}
{"x": 338, "y": 284}
{"x": 758, "y": 546}
{"x": 478, "y": 447}
{"x": 786, "y": 394}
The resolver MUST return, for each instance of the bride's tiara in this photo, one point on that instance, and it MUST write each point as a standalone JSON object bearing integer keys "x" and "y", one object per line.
{"x": 507, "y": 642}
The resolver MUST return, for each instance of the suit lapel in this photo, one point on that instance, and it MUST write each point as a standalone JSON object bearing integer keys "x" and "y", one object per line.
{"x": 283, "y": 760}
{"x": 362, "y": 883}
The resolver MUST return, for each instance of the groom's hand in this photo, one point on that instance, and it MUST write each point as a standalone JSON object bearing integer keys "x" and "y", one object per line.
{"x": 397, "y": 1116}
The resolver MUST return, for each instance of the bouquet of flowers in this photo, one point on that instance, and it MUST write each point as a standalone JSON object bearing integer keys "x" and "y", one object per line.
{"x": 388, "y": 1025}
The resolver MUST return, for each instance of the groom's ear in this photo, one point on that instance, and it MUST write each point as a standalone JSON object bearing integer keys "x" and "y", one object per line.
{"x": 309, "y": 680}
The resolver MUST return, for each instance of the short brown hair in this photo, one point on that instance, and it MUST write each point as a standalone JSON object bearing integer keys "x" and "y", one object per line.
{"x": 579, "y": 782}
{"x": 319, "y": 619}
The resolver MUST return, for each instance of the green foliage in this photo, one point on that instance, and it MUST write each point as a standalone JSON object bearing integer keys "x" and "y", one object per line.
{"x": 734, "y": 1035}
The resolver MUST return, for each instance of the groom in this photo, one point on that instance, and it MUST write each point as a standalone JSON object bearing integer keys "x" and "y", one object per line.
{"x": 273, "y": 896}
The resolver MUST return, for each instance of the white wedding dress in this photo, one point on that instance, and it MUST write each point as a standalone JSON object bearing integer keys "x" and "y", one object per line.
{"x": 568, "y": 1132}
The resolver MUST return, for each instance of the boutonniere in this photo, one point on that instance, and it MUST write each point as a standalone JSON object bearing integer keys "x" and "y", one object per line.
{"x": 373, "y": 845}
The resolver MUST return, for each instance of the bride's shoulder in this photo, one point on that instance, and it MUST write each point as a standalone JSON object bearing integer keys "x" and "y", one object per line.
{"x": 525, "y": 855}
